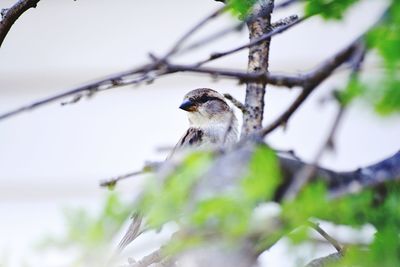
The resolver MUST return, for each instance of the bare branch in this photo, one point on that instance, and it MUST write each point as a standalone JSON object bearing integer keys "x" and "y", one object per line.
{"x": 285, "y": 3}
{"x": 151, "y": 71}
{"x": 10, "y": 15}
{"x": 253, "y": 42}
{"x": 285, "y": 21}
{"x": 308, "y": 171}
{"x": 312, "y": 80}
{"x": 243, "y": 77}
{"x": 206, "y": 40}
{"x": 109, "y": 82}
{"x": 289, "y": 152}
{"x": 157, "y": 69}
{"x": 113, "y": 181}
{"x": 367, "y": 177}
{"x": 325, "y": 235}
{"x": 236, "y": 102}
{"x": 344, "y": 183}
{"x": 189, "y": 33}
{"x": 149, "y": 167}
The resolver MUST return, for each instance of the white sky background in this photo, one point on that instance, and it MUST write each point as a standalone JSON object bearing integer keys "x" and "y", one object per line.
{"x": 55, "y": 155}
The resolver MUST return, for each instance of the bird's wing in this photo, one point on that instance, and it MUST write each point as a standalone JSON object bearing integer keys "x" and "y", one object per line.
{"x": 192, "y": 138}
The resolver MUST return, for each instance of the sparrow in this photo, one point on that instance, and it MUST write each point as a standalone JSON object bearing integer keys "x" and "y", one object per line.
{"x": 212, "y": 124}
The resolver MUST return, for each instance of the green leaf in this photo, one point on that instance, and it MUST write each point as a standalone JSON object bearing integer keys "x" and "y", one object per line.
{"x": 328, "y": 9}
{"x": 353, "y": 90}
{"x": 230, "y": 215}
{"x": 241, "y": 7}
{"x": 386, "y": 100}
{"x": 263, "y": 175}
{"x": 385, "y": 37}
{"x": 163, "y": 202}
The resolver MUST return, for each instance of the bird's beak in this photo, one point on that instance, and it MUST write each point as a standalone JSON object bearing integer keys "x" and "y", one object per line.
{"x": 187, "y": 105}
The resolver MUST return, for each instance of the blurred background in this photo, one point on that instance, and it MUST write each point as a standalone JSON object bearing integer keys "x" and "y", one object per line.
{"x": 55, "y": 156}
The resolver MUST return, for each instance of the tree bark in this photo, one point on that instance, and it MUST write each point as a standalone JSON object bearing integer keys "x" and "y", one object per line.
{"x": 258, "y": 62}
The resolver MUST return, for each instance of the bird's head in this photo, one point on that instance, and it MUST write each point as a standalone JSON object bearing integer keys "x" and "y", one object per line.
{"x": 205, "y": 106}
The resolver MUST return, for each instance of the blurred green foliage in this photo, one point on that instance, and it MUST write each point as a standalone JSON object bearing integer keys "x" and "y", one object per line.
{"x": 241, "y": 8}
{"x": 381, "y": 91}
{"x": 90, "y": 234}
{"x": 165, "y": 201}
{"x": 328, "y": 9}
{"x": 225, "y": 213}
{"x": 382, "y": 210}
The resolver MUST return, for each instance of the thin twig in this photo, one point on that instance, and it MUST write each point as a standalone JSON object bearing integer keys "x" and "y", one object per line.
{"x": 284, "y": 21}
{"x": 111, "y": 81}
{"x": 159, "y": 69}
{"x": 325, "y": 235}
{"x": 312, "y": 80}
{"x": 289, "y": 152}
{"x": 254, "y": 42}
{"x": 212, "y": 37}
{"x": 113, "y": 181}
{"x": 122, "y": 78}
{"x": 10, "y": 15}
{"x": 189, "y": 33}
{"x": 235, "y": 102}
{"x": 308, "y": 171}
{"x": 285, "y": 3}
{"x": 149, "y": 167}
{"x": 243, "y": 77}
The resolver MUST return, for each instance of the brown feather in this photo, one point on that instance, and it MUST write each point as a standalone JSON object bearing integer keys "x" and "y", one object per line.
{"x": 192, "y": 138}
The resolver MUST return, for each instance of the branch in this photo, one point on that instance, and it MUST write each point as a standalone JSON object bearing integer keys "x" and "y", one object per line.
{"x": 258, "y": 61}
{"x": 308, "y": 171}
{"x": 156, "y": 69}
{"x": 325, "y": 235}
{"x": 285, "y": 21}
{"x": 236, "y": 102}
{"x": 344, "y": 183}
{"x": 367, "y": 177}
{"x": 113, "y": 181}
{"x": 212, "y": 37}
{"x": 311, "y": 81}
{"x": 243, "y": 77}
{"x": 149, "y": 167}
{"x": 253, "y": 42}
{"x": 113, "y": 81}
{"x": 285, "y": 3}
{"x": 10, "y": 15}
{"x": 189, "y": 33}
{"x": 150, "y": 72}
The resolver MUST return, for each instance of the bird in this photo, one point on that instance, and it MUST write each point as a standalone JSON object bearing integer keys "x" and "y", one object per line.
{"x": 212, "y": 124}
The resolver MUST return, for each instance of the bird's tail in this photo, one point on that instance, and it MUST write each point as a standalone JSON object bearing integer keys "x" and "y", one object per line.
{"x": 132, "y": 233}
